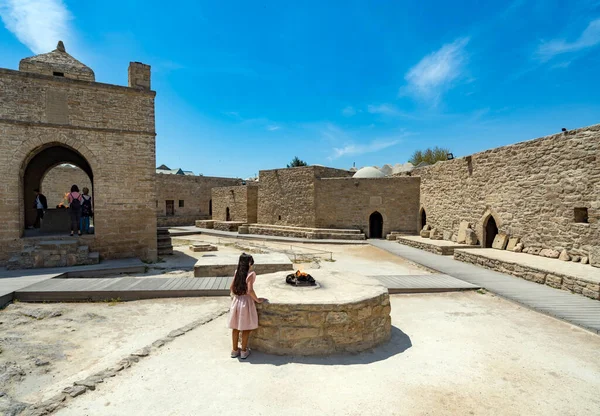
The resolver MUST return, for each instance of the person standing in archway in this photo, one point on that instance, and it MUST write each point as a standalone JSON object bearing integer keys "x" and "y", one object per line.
{"x": 75, "y": 201}
{"x": 86, "y": 211}
{"x": 41, "y": 205}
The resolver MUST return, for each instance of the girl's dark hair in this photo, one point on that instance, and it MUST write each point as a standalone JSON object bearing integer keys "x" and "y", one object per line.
{"x": 74, "y": 188}
{"x": 240, "y": 287}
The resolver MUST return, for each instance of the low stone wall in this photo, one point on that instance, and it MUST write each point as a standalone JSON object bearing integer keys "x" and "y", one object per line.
{"x": 321, "y": 329}
{"x": 432, "y": 248}
{"x": 205, "y": 223}
{"x": 309, "y": 233}
{"x": 227, "y": 225}
{"x": 559, "y": 281}
{"x": 176, "y": 220}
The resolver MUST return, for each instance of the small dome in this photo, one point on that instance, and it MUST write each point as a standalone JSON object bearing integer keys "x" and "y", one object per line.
{"x": 369, "y": 172}
{"x": 57, "y": 63}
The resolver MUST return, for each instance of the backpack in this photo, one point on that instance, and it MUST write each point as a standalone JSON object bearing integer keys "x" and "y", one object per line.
{"x": 75, "y": 204}
{"x": 86, "y": 207}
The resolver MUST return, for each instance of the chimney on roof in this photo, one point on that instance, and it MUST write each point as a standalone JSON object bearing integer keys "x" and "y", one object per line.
{"x": 61, "y": 46}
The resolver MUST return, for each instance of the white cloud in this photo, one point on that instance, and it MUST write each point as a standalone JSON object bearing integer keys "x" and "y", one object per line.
{"x": 385, "y": 109}
{"x": 349, "y": 111}
{"x": 359, "y": 149}
{"x": 38, "y": 24}
{"x": 436, "y": 72}
{"x": 273, "y": 127}
{"x": 589, "y": 37}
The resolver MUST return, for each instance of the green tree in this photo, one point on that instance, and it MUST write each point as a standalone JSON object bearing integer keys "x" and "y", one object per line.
{"x": 429, "y": 155}
{"x": 296, "y": 162}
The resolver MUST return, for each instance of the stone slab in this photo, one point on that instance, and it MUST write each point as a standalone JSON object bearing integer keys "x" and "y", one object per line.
{"x": 512, "y": 243}
{"x": 462, "y": 231}
{"x": 500, "y": 241}
{"x": 594, "y": 257}
{"x": 203, "y": 247}
{"x": 225, "y": 264}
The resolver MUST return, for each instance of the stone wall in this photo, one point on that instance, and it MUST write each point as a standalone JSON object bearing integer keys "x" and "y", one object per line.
{"x": 586, "y": 287}
{"x": 108, "y": 128}
{"x": 59, "y": 180}
{"x": 531, "y": 189}
{"x": 349, "y": 202}
{"x": 240, "y": 200}
{"x": 287, "y": 196}
{"x": 194, "y": 191}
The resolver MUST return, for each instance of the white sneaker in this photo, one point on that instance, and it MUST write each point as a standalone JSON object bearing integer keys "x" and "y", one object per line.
{"x": 235, "y": 354}
{"x": 245, "y": 354}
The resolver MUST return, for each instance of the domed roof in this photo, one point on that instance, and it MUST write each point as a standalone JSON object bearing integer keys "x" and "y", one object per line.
{"x": 57, "y": 63}
{"x": 369, "y": 172}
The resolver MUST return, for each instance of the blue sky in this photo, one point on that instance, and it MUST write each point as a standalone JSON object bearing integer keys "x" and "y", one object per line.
{"x": 244, "y": 86}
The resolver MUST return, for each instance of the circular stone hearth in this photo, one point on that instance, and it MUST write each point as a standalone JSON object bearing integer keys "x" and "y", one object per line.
{"x": 343, "y": 313}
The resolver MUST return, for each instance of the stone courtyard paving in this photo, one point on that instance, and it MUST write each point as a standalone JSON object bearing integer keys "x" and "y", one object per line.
{"x": 455, "y": 353}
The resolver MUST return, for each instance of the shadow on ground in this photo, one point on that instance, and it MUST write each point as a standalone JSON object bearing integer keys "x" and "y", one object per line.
{"x": 398, "y": 343}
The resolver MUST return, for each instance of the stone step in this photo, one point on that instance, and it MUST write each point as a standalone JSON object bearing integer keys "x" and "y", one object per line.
{"x": 58, "y": 244}
{"x": 93, "y": 257}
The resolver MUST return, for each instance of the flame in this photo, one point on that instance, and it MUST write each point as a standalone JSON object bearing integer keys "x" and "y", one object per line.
{"x": 300, "y": 273}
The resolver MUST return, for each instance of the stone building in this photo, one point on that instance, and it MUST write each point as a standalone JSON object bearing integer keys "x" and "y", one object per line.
{"x": 183, "y": 199}
{"x": 53, "y": 112}
{"x": 316, "y": 197}
{"x": 235, "y": 203}
{"x": 545, "y": 191}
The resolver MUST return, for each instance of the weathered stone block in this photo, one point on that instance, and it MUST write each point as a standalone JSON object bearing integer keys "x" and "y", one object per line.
{"x": 462, "y": 229}
{"x": 436, "y": 234}
{"x": 550, "y": 253}
{"x": 447, "y": 235}
{"x": 534, "y": 251}
{"x": 512, "y": 243}
{"x": 554, "y": 281}
{"x": 594, "y": 256}
{"x": 564, "y": 256}
{"x": 500, "y": 241}
{"x": 425, "y": 233}
{"x": 337, "y": 318}
{"x": 585, "y": 260}
{"x": 518, "y": 248}
{"x": 470, "y": 237}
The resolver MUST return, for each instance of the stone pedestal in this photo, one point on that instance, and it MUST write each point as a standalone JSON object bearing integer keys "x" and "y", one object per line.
{"x": 345, "y": 313}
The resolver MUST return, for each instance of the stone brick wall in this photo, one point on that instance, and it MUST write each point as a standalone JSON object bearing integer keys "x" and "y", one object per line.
{"x": 531, "y": 189}
{"x": 287, "y": 196}
{"x": 241, "y": 201}
{"x": 349, "y": 202}
{"x": 194, "y": 191}
{"x": 110, "y": 127}
{"x": 59, "y": 180}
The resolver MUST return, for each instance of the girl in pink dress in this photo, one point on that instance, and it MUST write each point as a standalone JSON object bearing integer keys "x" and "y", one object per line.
{"x": 242, "y": 315}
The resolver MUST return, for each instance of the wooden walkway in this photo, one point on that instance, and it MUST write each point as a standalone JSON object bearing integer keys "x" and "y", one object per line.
{"x": 135, "y": 288}
{"x": 123, "y": 288}
{"x": 14, "y": 280}
{"x": 426, "y": 283}
{"x": 573, "y": 308}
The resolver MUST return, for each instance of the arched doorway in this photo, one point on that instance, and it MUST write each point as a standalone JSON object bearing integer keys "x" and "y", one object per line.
{"x": 422, "y": 219}
{"x": 376, "y": 225}
{"x": 34, "y": 171}
{"x": 490, "y": 229}
{"x": 227, "y": 216}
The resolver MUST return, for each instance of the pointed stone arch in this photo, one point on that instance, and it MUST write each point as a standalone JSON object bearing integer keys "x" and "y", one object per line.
{"x": 488, "y": 227}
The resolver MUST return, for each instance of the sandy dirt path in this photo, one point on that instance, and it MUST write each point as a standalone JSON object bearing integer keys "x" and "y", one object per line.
{"x": 455, "y": 353}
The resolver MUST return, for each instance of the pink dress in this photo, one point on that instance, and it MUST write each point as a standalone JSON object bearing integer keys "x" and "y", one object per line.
{"x": 242, "y": 315}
